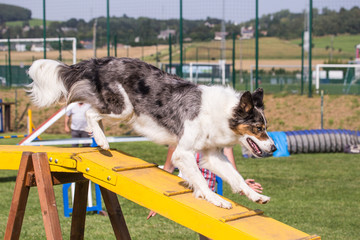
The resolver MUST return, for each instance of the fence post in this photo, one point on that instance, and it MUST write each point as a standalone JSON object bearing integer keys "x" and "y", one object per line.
{"x": 302, "y": 63}
{"x": 108, "y": 27}
{"x": 60, "y": 56}
{"x": 115, "y": 45}
{"x": 170, "y": 54}
{"x": 310, "y": 48}
{"x": 44, "y": 27}
{"x": 233, "y": 61}
{"x": 257, "y": 45}
{"x": 9, "y": 63}
{"x": 181, "y": 40}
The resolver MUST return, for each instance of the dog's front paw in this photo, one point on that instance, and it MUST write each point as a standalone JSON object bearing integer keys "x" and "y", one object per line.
{"x": 218, "y": 201}
{"x": 101, "y": 140}
{"x": 105, "y": 146}
{"x": 261, "y": 199}
{"x": 102, "y": 143}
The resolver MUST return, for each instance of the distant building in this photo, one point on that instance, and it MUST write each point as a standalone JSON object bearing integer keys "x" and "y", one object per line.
{"x": 3, "y": 30}
{"x": 209, "y": 25}
{"x": 38, "y": 48}
{"x": 87, "y": 44}
{"x": 3, "y": 47}
{"x": 26, "y": 28}
{"x": 68, "y": 29}
{"x": 20, "y": 47}
{"x": 188, "y": 39}
{"x": 247, "y": 33}
{"x": 264, "y": 33}
{"x": 165, "y": 34}
{"x": 220, "y": 35}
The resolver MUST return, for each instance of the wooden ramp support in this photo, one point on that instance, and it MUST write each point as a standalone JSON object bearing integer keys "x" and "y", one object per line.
{"x": 148, "y": 186}
{"x": 34, "y": 170}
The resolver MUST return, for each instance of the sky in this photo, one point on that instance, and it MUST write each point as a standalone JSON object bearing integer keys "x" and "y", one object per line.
{"x": 234, "y": 10}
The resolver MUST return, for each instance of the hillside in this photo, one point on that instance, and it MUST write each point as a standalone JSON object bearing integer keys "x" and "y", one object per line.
{"x": 273, "y": 51}
{"x": 282, "y": 24}
{"x": 35, "y": 22}
{"x": 291, "y": 112}
{"x": 13, "y": 13}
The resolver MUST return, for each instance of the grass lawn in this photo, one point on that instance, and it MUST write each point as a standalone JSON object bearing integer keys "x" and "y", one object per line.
{"x": 36, "y": 22}
{"x": 316, "y": 193}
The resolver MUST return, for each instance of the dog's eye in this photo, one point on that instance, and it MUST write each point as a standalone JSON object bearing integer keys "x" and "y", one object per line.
{"x": 259, "y": 129}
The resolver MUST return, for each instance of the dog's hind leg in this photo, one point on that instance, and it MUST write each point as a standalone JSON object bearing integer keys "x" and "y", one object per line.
{"x": 217, "y": 163}
{"x": 185, "y": 161}
{"x": 93, "y": 119}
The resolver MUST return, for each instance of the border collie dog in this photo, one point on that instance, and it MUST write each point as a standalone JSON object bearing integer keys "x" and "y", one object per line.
{"x": 166, "y": 109}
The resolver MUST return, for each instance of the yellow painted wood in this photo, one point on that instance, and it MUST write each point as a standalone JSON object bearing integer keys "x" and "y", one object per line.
{"x": 11, "y": 155}
{"x": 152, "y": 188}
{"x": 237, "y": 216}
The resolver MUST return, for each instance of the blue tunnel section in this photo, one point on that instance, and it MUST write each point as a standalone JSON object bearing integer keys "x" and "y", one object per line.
{"x": 312, "y": 141}
{"x": 321, "y": 140}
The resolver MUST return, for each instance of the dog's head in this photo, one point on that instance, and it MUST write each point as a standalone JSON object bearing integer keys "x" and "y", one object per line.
{"x": 249, "y": 123}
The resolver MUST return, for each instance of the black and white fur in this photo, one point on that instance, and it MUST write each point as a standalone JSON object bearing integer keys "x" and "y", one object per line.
{"x": 165, "y": 109}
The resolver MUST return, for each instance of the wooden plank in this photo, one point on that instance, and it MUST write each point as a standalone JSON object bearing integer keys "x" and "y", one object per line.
{"x": 237, "y": 216}
{"x": 20, "y": 196}
{"x": 115, "y": 214}
{"x": 147, "y": 186}
{"x": 57, "y": 178}
{"x": 79, "y": 210}
{"x": 63, "y": 177}
{"x": 121, "y": 168}
{"x": 47, "y": 196}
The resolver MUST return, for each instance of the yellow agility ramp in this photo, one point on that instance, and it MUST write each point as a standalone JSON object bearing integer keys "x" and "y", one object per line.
{"x": 156, "y": 189}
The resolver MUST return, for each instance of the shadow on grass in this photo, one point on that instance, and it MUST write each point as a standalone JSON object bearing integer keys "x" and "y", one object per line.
{"x": 8, "y": 179}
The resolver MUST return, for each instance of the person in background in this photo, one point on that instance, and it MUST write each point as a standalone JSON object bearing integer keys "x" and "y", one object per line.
{"x": 78, "y": 127}
{"x": 208, "y": 175}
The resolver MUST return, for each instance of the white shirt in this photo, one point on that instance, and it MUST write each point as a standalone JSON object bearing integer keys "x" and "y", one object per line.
{"x": 78, "y": 118}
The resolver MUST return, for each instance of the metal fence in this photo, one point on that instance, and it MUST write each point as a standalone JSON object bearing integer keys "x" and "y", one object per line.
{"x": 183, "y": 32}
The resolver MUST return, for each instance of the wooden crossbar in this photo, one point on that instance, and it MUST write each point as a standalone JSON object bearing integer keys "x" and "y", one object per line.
{"x": 34, "y": 170}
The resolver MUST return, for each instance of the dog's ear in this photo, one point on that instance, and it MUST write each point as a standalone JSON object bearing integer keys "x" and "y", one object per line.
{"x": 242, "y": 111}
{"x": 257, "y": 97}
{"x": 246, "y": 104}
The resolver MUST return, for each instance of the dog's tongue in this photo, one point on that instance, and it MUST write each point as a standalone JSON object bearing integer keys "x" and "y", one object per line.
{"x": 254, "y": 146}
{"x": 257, "y": 149}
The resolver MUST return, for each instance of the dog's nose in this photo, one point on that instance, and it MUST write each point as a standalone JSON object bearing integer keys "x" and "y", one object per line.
{"x": 273, "y": 148}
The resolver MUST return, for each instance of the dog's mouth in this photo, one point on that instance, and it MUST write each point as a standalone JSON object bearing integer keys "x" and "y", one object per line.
{"x": 255, "y": 148}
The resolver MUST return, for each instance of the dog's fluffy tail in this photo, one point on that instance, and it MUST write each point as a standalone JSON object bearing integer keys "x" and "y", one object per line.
{"x": 47, "y": 86}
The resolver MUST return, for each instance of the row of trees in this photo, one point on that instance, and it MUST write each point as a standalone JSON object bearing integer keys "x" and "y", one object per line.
{"x": 287, "y": 25}
{"x": 282, "y": 24}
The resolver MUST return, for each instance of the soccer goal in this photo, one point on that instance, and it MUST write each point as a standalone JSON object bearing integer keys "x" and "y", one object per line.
{"x": 32, "y": 44}
{"x": 214, "y": 73}
{"x": 338, "y": 78}
{"x": 278, "y": 78}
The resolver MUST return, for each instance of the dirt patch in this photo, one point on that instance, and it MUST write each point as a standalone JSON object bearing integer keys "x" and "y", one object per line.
{"x": 284, "y": 113}
{"x": 294, "y": 112}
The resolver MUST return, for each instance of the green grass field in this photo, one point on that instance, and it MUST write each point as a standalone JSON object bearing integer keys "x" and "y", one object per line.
{"x": 316, "y": 193}
{"x": 275, "y": 48}
{"x": 36, "y": 22}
